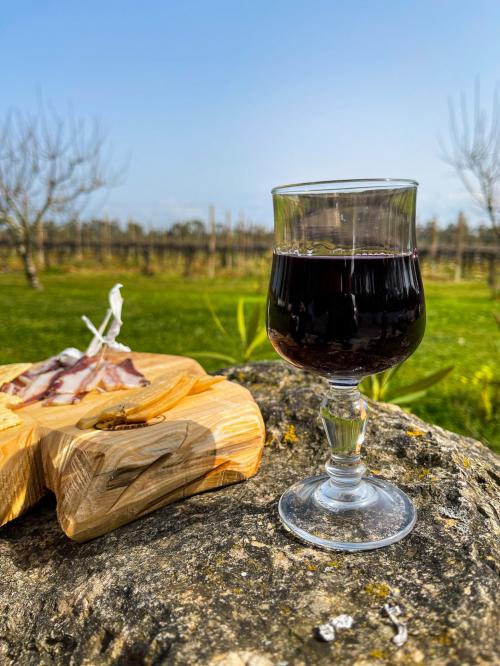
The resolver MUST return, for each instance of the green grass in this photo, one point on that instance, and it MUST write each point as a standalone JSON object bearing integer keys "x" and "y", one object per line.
{"x": 168, "y": 314}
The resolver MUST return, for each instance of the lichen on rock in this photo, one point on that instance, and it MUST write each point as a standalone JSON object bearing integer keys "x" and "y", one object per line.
{"x": 215, "y": 579}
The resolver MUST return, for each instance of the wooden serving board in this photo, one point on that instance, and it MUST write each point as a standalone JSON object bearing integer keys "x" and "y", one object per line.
{"x": 105, "y": 479}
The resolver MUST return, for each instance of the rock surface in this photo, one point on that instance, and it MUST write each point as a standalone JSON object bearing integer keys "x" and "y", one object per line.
{"x": 216, "y": 580}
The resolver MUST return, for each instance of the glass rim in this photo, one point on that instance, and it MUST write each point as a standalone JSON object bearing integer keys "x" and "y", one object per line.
{"x": 345, "y": 185}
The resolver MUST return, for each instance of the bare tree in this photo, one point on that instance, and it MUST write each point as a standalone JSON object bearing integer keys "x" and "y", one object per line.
{"x": 48, "y": 166}
{"x": 474, "y": 152}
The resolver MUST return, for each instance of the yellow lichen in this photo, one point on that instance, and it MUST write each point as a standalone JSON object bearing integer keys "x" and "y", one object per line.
{"x": 311, "y": 567}
{"x": 290, "y": 436}
{"x": 381, "y": 590}
{"x": 466, "y": 462}
{"x": 333, "y": 563}
{"x": 444, "y": 639}
{"x": 423, "y": 473}
{"x": 377, "y": 654}
{"x": 415, "y": 433}
{"x": 450, "y": 522}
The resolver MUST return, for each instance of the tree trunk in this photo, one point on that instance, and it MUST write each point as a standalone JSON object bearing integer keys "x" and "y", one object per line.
{"x": 78, "y": 241}
{"x": 147, "y": 268}
{"x": 189, "y": 254}
{"x": 493, "y": 276}
{"x": 26, "y": 254}
{"x": 40, "y": 246}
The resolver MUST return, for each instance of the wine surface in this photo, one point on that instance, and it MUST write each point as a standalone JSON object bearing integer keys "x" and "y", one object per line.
{"x": 345, "y": 316}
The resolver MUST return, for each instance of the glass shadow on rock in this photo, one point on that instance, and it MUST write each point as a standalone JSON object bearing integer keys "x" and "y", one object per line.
{"x": 345, "y": 317}
{"x": 346, "y": 301}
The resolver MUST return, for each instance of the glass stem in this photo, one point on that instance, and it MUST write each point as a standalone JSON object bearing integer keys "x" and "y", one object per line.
{"x": 344, "y": 414}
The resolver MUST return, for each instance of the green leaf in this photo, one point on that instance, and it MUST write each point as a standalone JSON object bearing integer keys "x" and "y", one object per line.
{"x": 258, "y": 340}
{"x": 387, "y": 377}
{"x": 214, "y": 355}
{"x": 240, "y": 320}
{"x": 373, "y": 387}
{"x": 485, "y": 398}
{"x": 366, "y": 387}
{"x": 405, "y": 399}
{"x": 215, "y": 317}
{"x": 424, "y": 383}
{"x": 252, "y": 324}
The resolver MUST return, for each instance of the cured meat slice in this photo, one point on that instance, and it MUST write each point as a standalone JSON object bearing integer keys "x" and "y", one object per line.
{"x": 131, "y": 377}
{"x": 38, "y": 388}
{"x": 71, "y": 379}
{"x": 59, "y": 384}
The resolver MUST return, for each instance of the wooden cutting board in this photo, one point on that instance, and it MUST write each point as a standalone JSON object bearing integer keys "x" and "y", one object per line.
{"x": 105, "y": 479}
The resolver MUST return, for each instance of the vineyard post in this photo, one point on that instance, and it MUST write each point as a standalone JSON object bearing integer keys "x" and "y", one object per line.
{"x": 212, "y": 243}
{"x": 229, "y": 241}
{"x": 434, "y": 245}
{"x": 460, "y": 243}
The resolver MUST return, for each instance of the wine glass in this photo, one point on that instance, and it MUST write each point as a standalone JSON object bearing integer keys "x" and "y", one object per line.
{"x": 346, "y": 301}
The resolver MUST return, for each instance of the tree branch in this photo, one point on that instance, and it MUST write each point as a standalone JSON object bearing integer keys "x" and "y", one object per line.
{"x": 474, "y": 152}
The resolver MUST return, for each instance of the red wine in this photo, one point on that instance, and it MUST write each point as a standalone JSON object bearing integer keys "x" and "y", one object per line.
{"x": 345, "y": 316}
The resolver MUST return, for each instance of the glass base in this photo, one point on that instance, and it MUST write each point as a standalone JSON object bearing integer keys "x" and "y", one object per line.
{"x": 371, "y": 515}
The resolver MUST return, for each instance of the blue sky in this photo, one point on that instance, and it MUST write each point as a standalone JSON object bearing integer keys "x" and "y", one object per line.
{"x": 218, "y": 101}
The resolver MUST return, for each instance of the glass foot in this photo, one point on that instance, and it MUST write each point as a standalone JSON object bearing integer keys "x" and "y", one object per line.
{"x": 373, "y": 515}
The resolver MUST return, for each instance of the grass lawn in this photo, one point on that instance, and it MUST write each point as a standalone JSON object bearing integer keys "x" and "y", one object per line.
{"x": 168, "y": 314}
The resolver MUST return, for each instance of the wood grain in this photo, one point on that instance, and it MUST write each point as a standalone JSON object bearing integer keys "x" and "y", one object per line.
{"x": 105, "y": 479}
{"x": 21, "y": 478}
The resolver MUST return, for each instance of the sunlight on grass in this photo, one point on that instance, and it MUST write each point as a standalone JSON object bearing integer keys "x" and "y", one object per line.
{"x": 168, "y": 314}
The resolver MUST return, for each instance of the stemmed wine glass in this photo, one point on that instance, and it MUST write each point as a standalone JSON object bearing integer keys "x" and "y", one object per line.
{"x": 346, "y": 301}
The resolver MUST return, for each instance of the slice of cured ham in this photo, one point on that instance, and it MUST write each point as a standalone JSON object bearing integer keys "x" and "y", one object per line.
{"x": 38, "y": 388}
{"x": 57, "y": 383}
{"x": 46, "y": 369}
{"x": 129, "y": 375}
{"x": 72, "y": 379}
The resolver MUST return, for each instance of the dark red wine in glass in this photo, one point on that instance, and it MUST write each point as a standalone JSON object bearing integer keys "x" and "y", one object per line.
{"x": 346, "y": 301}
{"x": 346, "y": 317}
